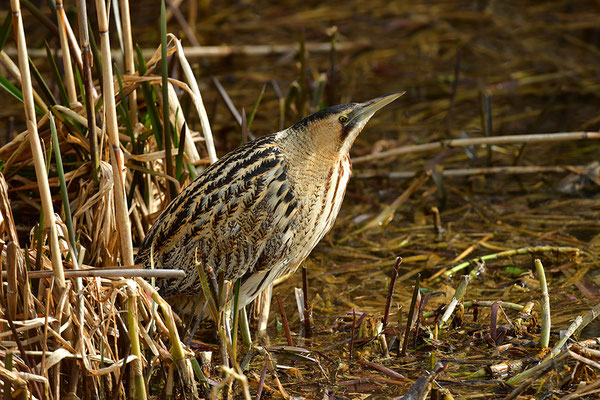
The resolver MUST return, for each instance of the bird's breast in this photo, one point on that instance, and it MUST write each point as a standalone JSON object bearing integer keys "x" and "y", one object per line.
{"x": 319, "y": 205}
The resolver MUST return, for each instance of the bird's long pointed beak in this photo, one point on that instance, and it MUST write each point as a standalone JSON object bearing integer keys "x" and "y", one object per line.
{"x": 368, "y": 108}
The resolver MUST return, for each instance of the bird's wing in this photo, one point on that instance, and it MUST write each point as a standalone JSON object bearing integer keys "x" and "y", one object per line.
{"x": 237, "y": 216}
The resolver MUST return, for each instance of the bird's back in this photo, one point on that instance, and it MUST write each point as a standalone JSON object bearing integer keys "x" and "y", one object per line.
{"x": 238, "y": 216}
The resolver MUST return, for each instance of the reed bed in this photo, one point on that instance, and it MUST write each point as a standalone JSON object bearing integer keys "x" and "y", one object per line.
{"x": 487, "y": 171}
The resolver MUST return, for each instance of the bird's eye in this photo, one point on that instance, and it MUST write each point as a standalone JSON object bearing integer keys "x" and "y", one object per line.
{"x": 343, "y": 119}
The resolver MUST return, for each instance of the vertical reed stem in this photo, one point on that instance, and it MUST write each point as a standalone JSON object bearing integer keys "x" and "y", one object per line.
{"x": 388, "y": 303}
{"x": 411, "y": 313}
{"x": 165, "y": 97}
{"x": 116, "y": 156}
{"x": 134, "y": 337}
{"x": 545, "y": 334}
{"x": 66, "y": 53}
{"x": 88, "y": 85}
{"x": 286, "y": 326}
{"x": 129, "y": 56}
{"x": 34, "y": 140}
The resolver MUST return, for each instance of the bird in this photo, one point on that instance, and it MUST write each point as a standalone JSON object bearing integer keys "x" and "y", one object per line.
{"x": 257, "y": 212}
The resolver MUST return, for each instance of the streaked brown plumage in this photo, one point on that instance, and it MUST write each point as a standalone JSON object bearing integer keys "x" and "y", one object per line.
{"x": 258, "y": 212}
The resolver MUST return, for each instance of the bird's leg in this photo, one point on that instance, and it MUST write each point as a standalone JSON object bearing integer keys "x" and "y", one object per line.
{"x": 199, "y": 317}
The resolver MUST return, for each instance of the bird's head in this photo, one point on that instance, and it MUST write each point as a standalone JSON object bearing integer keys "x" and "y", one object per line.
{"x": 334, "y": 129}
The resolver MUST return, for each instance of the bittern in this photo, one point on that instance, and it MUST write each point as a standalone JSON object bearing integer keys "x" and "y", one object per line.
{"x": 257, "y": 212}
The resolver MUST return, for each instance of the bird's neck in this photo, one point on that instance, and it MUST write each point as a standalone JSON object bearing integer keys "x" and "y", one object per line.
{"x": 311, "y": 157}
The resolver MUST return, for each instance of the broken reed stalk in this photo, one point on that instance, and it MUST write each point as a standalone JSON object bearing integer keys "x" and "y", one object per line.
{"x": 411, "y": 313}
{"x": 506, "y": 139}
{"x": 134, "y": 338}
{"x": 483, "y": 303}
{"x": 380, "y": 334}
{"x": 560, "y": 354}
{"x": 352, "y": 332}
{"x": 543, "y": 366}
{"x": 7, "y": 214}
{"x": 462, "y": 255}
{"x": 116, "y": 155}
{"x": 494, "y": 321}
{"x": 458, "y": 296}
{"x": 555, "y": 357}
{"x": 66, "y": 53}
{"x": 509, "y": 169}
{"x": 36, "y": 148}
{"x": 388, "y": 212}
{"x": 568, "y": 333}
{"x": 306, "y": 307}
{"x": 388, "y": 303}
{"x": 263, "y": 304}
{"x": 510, "y": 253}
{"x": 385, "y": 370}
{"x": 286, "y": 326}
{"x": 228, "y": 102}
{"x": 545, "y": 302}
{"x": 245, "y": 327}
{"x": 261, "y": 382}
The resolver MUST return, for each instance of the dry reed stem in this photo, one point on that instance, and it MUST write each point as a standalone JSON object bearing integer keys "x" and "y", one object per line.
{"x": 15, "y": 378}
{"x": 36, "y": 148}
{"x": 506, "y": 139}
{"x": 69, "y": 79}
{"x": 194, "y": 52}
{"x": 116, "y": 157}
{"x": 457, "y": 172}
{"x": 198, "y": 103}
{"x": 262, "y": 309}
{"x": 129, "y": 56}
{"x": 567, "y": 334}
{"x": 387, "y": 214}
{"x": 73, "y": 44}
{"x": 109, "y": 273}
{"x": 6, "y": 212}
{"x": 12, "y": 262}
